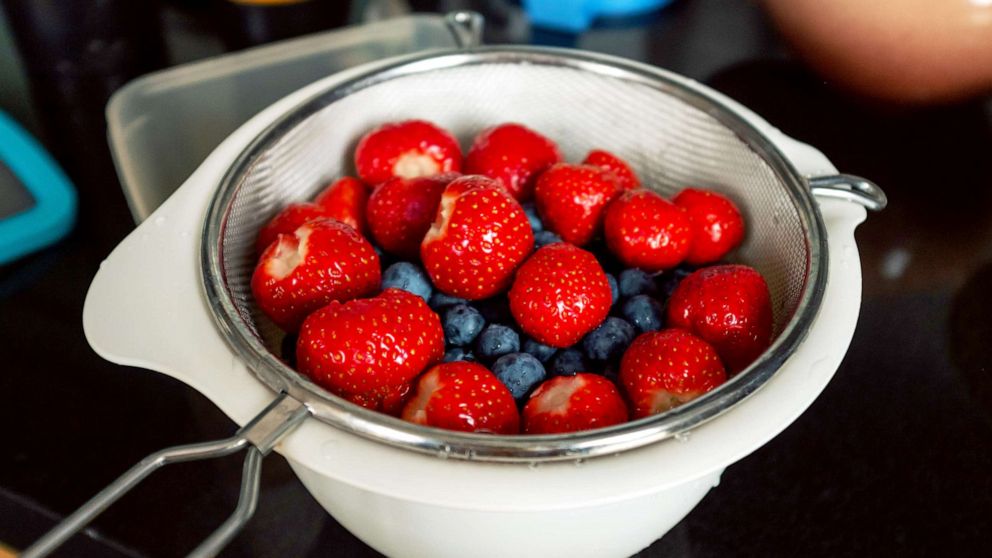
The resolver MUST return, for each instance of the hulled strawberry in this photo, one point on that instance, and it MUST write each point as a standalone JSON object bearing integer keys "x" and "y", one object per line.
{"x": 559, "y": 294}
{"x": 605, "y": 160}
{"x": 286, "y": 221}
{"x": 369, "y": 350}
{"x": 729, "y": 307}
{"x": 647, "y": 231}
{"x": 407, "y": 149}
{"x": 717, "y": 225}
{"x": 463, "y": 396}
{"x": 664, "y": 369}
{"x": 572, "y": 403}
{"x": 512, "y": 154}
{"x": 400, "y": 212}
{"x": 480, "y": 236}
{"x": 344, "y": 200}
{"x": 572, "y": 200}
{"x": 322, "y": 261}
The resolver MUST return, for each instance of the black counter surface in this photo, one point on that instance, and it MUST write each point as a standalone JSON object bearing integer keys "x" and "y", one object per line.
{"x": 893, "y": 459}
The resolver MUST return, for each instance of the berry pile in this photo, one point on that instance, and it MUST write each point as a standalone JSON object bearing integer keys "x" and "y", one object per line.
{"x": 526, "y": 295}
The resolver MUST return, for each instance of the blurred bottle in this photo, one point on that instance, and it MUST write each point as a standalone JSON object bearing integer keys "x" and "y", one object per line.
{"x": 246, "y": 23}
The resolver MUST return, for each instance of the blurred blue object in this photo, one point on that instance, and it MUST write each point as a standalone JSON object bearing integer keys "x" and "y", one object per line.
{"x": 37, "y": 200}
{"x": 578, "y": 15}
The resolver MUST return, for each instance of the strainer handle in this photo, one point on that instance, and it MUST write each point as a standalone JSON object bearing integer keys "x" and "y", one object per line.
{"x": 259, "y": 437}
{"x": 466, "y": 27}
{"x": 850, "y": 188}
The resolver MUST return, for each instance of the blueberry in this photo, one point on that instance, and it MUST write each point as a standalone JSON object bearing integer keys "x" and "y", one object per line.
{"x": 614, "y": 289}
{"x": 288, "y": 349}
{"x": 519, "y": 372}
{"x": 643, "y": 312}
{"x": 568, "y": 363}
{"x": 495, "y": 341}
{"x": 634, "y": 282}
{"x": 535, "y": 221}
{"x": 495, "y": 310}
{"x": 462, "y": 324}
{"x": 544, "y": 238}
{"x": 671, "y": 279}
{"x": 456, "y": 354}
{"x": 408, "y": 277}
{"x": 440, "y": 301}
{"x": 608, "y": 341}
{"x": 539, "y": 350}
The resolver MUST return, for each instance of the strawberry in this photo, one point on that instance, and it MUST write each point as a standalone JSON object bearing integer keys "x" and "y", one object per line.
{"x": 463, "y": 396}
{"x": 400, "y": 212}
{"x": 369, "y": 350}
{"x": 321, "y": 261}
{"x": 344, "y": 200}
{"x": 572, "y": 200}
{"x": 512, "y": 154}
{"x": 605, "y": 160}
{"x": 572, "y": 403}
{"x": 728, "y": 306}
{"x": 664, "y": 369}
{"x": 480, "y": 236}
{"x": 717, "y": 225}
{"x": 286, "y": 221}
{"x": 407, "y": 149}
{"x": 647, "y": 231}
{"x": 559, "y": 294}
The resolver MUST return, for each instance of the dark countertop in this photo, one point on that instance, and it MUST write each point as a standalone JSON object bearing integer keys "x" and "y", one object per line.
{"x": 894, "y": 458}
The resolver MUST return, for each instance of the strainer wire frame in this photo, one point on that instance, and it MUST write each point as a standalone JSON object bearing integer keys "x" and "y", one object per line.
{"x": 382, "y": 428}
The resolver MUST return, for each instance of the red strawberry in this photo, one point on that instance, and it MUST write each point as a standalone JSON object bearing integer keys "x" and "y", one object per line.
{"x": 369, "y": 350}
{"x": 647, "y": 231}
{"x": 560, "y": 294}
{"x": 572, "y": 200}
{"x": 463, "y": 396}
{"x": 400, "y": 212}
{"x": 479, "y": 238}
{"x": 717, "y": 225}
{"x": 664, "y": 369}
{"x": 514, "y": 155}
{"x": 345, "y": 201}
{"x": 287, "y": 221}
{"x": 407, "y": 149}
{"x": 606, "y": 160}
{"x": 321, "y": 261}
{"x": 573, "y": 403}
{"x": 729, "y": 307}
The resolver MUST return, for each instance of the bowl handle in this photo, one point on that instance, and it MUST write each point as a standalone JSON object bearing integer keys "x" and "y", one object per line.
{"x": 850, "y": 188}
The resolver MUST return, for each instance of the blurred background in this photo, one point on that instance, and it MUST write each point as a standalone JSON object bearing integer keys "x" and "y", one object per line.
{"x": 895, "y": 458}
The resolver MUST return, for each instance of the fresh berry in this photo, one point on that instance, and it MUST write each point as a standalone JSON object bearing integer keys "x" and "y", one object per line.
{"x": 729, "y": 307}
{"x": 669, "y": 281}
{"x": 369, "y": 350}
{"x": 530, "y": 210}
{"x": 560, "y": 294}
{"x": 608, "y": 341}
{"x": 664, "y": 369}
{"x": 495, "y": 341}
{"x": 635, "y": 281}
{"x": 519, "y": 372}
{"x": 621, "y": 170}
{"x": 643, "y": 312}
{"x": 573, "y": 403}
{"x": 480, "y": 236}
{"x": 408, "y": 149}
{"x": 292, "y": 217}
{"x": 572, "y": 200}
{"x": 614, "y": 289}
{"x": 321, "y": 261}
{"x": 345, "y": 200}
{"x": 512, "y": 154}
{"x": 439, "y": 301}
{"x": 569, "y": 363}
{"x": 544, "y": 238}
{"x": 496, "y": 310}
{"x": 717, "y": 225}
{"x": 455, "y": 354}
{"x": 539, "y": 350}
{"x": 463, "y": 396}
{"x": 400, "y": 212}
{"x": 462, "y": 324}
{"x": 647, "y": 231}
{"x": 408, "y": 277}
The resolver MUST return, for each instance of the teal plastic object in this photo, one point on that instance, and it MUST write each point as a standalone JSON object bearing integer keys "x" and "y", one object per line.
{"x": 578, "y": 15}
{"x": 52, "y": 210}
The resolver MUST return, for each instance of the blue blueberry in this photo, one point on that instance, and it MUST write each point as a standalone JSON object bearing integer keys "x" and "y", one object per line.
{"x": 614, "y": 289}
{"x": 456, "y": 354}
{"x": 440, "y": 301}
{"x": 608, "y": 341}
{"x": 568, "y": 363}
{"x": 462, "y": 324}
{"x": 535, "y": 221}
{"x": 520, "y": 373}
{"x": 408, "y": 277}
{"x": 671, "y": 279}
{"x": 544, "y": 238}
{"x": 495, "y": 310}
{"x": 643, "y": 312}
{"x": 495, "y": 341}
{"x": 539, "y": 350}
{"x": 635, "y": 281}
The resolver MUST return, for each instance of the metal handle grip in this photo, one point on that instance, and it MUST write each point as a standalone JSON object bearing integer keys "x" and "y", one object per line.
{"x": 851, "y": 188}
{"x": 259, "y": 436}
